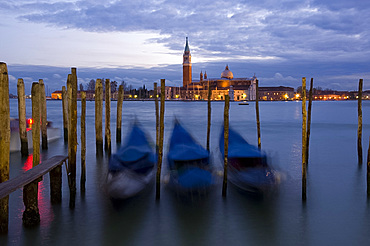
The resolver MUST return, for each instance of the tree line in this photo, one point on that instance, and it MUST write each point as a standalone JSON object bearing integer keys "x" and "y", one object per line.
{"x": 141, "y": 92}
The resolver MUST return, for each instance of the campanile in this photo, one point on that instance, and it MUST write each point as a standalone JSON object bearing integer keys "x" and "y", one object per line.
{"x": 186, "y": 66}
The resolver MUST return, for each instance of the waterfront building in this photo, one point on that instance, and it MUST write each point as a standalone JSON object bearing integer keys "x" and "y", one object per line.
{"x": 90, "y": 95}
{"x": 275, "y": 93}
{"x": 56, "y": 95}
{"x": 237, "y": 88}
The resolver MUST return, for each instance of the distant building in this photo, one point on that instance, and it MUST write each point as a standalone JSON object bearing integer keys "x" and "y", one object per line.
{"x": 237, "y": 88}
{"x": 56, "y": 95}
{"x": 275, "y": 93}
{"x": 90, "y": 95}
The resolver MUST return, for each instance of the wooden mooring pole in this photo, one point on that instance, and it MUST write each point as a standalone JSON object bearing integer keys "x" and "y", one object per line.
{"x": 209, "y": 116}
{"x": 368, "y": 171}
{"x": 4, "y": 144}
{"x": 31, "y": 215}
{"x": 359, "y": 128}
{"x": 72, "y": 136}
{"x": 309, "y": 121}
{"x": 304, "y": 138}
{"x": 119, "y": 114}
{"x": 161, "y": 135}
{"x": 43, "y": 115}
{"x": 83, "y": 141}
{"x": 258, "y": 117}
{"x": 56, "y": 185}
{"x": 226, "y": 142}
{"x": 65, "y": 112}
{"x": 156, "y": 118}
{"x": 108, "y": 141}
{"x": 22, "y": 117}
{"x": 99, "y": 117}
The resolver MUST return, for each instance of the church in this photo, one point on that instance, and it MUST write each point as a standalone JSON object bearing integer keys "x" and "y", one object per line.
{"x": 237, "y": 88}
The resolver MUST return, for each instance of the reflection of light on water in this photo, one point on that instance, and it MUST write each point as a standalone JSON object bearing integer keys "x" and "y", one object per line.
{"x": 29, "y": 163}
{"x": 46, "y": 213}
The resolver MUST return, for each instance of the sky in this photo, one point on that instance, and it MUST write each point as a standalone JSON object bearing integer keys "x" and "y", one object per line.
{"x": 142, "y": 41}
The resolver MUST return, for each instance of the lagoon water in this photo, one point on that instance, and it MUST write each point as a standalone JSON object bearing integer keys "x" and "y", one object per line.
{"x": 337, "y": 211}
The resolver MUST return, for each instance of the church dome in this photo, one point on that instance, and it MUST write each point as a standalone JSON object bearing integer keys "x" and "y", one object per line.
{"x": 227, "y": 74}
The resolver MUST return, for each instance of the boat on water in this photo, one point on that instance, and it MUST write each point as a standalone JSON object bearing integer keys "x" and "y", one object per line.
{"x": 243, "y": 103}
{"x": 188, "y": 163}
{"x": 248, "y": 168}
{"x": 131, "y": 168}
{"x": 15, "y": 142}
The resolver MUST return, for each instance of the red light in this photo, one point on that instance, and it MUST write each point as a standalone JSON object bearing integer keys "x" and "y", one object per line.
{"x": 29, "y": 124}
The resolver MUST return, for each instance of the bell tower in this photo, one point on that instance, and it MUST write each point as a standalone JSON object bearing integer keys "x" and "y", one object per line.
{"x": 186, "y": 65}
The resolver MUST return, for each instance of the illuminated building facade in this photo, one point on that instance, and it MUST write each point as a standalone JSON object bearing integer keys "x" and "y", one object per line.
{"x": 237, "y": 88}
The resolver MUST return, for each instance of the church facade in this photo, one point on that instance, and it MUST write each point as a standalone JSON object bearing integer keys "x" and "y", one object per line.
{"x": 237, "y": 88}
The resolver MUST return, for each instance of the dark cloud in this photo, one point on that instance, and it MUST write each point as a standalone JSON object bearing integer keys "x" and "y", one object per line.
{"x": 264, "y": 28}
{"x": 326, "y": 39}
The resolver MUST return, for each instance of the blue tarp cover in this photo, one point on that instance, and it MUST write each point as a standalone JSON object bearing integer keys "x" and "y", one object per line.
{"x": 195, "y": 177}
{"x": 136, "y": 153}
{"x": 183, "y": 147}
{"x": 239, "y": 147}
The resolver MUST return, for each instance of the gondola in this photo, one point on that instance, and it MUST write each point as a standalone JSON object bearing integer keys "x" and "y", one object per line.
{"x": 248, "y": 168}
{"x": 131, "y": 169}
{"x": 188, "y": 163}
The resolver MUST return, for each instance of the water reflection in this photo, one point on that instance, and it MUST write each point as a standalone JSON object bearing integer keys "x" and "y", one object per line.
{"x": 336, "y": 212}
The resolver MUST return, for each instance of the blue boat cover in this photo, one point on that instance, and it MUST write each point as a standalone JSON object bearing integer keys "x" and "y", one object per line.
{"x": 135, "y": 154}
{"x": 195, "y": 177}
{"x": 239, "y": 147}
{"x": 183, "y": 147}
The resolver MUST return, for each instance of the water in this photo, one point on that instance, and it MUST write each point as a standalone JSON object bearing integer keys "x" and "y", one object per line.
{"x": 337, "y": 211}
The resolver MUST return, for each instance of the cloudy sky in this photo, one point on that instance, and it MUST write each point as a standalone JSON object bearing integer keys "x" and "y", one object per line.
{"x": 142, "y": 41}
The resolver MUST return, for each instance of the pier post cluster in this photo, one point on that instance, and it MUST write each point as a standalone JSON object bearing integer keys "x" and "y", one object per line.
{"x": 30, "y": 179}
{"x": 31, "y": 215}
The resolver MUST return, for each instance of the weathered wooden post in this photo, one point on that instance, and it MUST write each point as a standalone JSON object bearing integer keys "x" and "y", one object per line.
{"x": 156, "y": 117}
{"x": 99, "y": 116}
{"x": 83, "y": 141}
{"x": 309, "y": 121}
{"x": 72, "y": 136}
{"x": 209, "y": 116}
{"x": 107, "y": 146}
{"x": 4, "y": 143}
{"x": 56, "y": 185}
{"x": 258, "y": 117}
{"x": 119, "y": 114}
{"x": 22, "y": 117}
{"x": 359, "y": 128}
{"x": 65, "y": 112}
{"x": 226, "y": 142}
{"x": 304, "y": 135}
{"x": 160, "y": 148}
{"x": 43, "y": 115}
{"x": 31, "y": 215}
{"x": 368, "y": 171}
